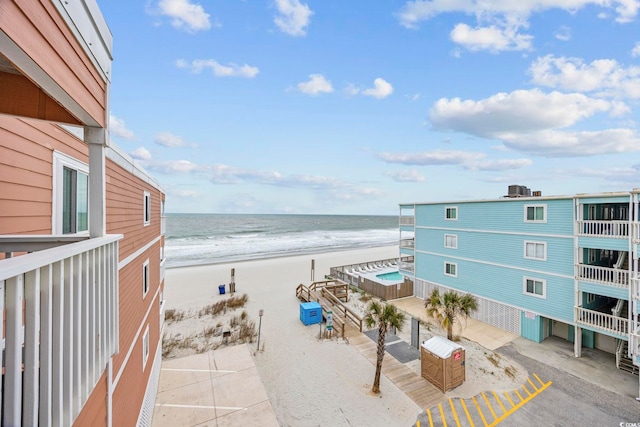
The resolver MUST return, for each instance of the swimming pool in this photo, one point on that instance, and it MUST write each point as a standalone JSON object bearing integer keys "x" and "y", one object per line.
{"x": 394, "y": 275}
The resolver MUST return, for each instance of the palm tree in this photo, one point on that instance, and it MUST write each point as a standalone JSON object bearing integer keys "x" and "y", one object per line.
{"x": 385, "y": 317}
{"x": 445, "y": 309}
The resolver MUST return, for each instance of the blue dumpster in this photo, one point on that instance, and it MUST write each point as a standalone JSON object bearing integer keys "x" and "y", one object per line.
{"x": 310, "y": 313}
{"x": 221, "y": 289}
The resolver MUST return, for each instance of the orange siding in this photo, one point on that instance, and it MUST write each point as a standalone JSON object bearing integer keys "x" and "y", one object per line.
{"x": 26, "y": 172}
{"x": 40, "y": 31}
{"x": 94, "y": 412}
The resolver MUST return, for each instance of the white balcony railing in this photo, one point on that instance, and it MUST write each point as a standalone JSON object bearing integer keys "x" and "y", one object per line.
{"x": 407, "y": 220}
{"x": 604, "y": 275}
{"x": 602, "y": 321}
{"x": 597, "y": 228}
{"x": 406, "y": 266}
{"x": 59, "y": 307}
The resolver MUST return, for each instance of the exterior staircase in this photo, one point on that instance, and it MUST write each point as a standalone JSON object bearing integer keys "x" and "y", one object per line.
{"x": 622, "y": 360}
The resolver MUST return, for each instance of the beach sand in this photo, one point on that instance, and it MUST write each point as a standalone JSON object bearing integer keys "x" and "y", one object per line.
{"x": 309, "y": 381}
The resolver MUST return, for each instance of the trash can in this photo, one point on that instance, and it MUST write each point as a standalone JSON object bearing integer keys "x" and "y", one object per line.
{"x": 221, "y": 289}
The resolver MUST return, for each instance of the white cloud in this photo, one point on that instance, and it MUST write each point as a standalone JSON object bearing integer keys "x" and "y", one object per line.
{"x": 219, "y": 70}
{"x": 417, "y": 11}
{"x": 635, "y": 52}
{"x": 604, "y": 77}
{"x": 515, "y": 112}
{"x": 118, "y": 128}
{"x": 185, "y": 15}
{"x": 553, "y": 143}
{"x": 466, "y": 159}
{"x": 381, "y": 89}
{"x": 563, "y": 33}
{"x": 293, "y": 17}
{"x": 167, "y": 139}
{"x": 190, "y": 194}
{"x": 406, "y": 176}
{"x": 316, "y": 84}
{"x": 492, "y": 38}
{"x": 141, "y": 154}
{"x": 173, "y": 166}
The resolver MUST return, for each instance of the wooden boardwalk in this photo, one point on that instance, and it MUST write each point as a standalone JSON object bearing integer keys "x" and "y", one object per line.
{"x": 413, "y": 385}
{"x": 349, "y": 325}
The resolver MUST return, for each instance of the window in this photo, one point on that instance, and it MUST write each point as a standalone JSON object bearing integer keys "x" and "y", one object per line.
{"x": 71, "y": 195}
{"x": 535, "y": 213}
{"x": 535, "y": 287}
{"x": 147, "y": 208}
{"x": 145, "y": 278}
{"x": 451, "y": 241}
{"x": 451, "y": 269}
{"x": 535, "y": 250}
{"x": 145, "y": 347}
{"x": 451, "y": 213}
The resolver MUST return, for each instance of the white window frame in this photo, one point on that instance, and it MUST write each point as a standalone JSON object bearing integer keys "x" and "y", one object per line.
{"x": 455, "y": 268}
{"x": 544, "y": 213}
{"x": 533, "y": 294}
{"x": 451, "y": 241}
{"x": 146, "y": 203}
{"x": 145, "y": 278}
{"x": 145, "y": 347}
{"x": 536, "y": 244}
{"x": 60, "y": 161}
{"x": 446, "y": 213}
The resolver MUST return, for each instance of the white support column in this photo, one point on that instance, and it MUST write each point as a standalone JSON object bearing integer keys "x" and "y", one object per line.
{"x": 96, "y": 138}
{"x": 2, "y": 288}
{"x": 577, "y": 345}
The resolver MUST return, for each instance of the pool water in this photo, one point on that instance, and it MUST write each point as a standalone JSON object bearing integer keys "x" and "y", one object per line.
{"x": 394, "y": 275}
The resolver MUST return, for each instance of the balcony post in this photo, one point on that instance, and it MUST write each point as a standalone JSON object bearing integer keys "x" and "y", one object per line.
{"x": 577, "y": 345}
{"x": 96, "y": 139}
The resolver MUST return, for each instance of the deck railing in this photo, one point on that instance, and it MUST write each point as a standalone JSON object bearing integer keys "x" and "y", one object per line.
{"x": 407, "y": 243}
{"x": 59, "y": 307}
{"x": 598, "y": 228}
{"x": 602, "y": 321}
{"x": 407, "y": 220}
{"x": 406, "y": 266}
{"x": 604, "y": 275}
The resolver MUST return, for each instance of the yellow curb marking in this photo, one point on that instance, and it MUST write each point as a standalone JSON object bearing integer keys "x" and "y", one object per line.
{"x": 466, "y": 412}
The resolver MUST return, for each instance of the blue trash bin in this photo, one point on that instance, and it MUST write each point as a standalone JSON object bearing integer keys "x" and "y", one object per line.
{"x": 221, "y": 289}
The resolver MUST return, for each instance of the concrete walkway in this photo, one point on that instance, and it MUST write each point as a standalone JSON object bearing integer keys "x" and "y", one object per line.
{"x": 218, "y": 388}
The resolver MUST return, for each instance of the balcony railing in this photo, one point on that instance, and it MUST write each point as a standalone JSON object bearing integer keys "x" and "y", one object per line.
{"x": 59, "y": 307}
{"x": 407, "y": 220}
{"x": 604, "y": 275}
{"x": 407, "y": 243}
{"x": 597, "y": 228}
{"x": 406, "y": 265}
{"x": 602, "y": 321}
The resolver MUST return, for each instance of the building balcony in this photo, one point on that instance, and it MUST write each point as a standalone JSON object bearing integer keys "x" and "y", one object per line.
{"x": 406, "y": 264}
{"x": 603, "y": 322}
{"x": 600, "y": 228}
{"x": 604, "y": 275}
{"x": 407, "y": 220}
{"x": 59, "y": 314}
{"x": 407, "y": 244}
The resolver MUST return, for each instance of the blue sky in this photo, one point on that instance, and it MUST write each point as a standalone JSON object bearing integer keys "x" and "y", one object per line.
{"x": 352, "y": 107}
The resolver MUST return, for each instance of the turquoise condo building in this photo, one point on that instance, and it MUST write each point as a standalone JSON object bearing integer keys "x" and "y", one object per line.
{"x": 564, "y": 266}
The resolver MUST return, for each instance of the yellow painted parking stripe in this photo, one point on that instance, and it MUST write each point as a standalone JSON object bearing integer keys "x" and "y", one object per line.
{"x": 538, "y": 378}
{"x": 518, "y": 393}
{"x": 489, "y": 405}
{"x": 444, "y": 421}
{"x": 455, "y": 414}
{"x": 532, "y": 384}
{"x": 499, "y": 402}
{"x": 430, "y": 419}
{"x": 479, "y": 411}
{"x": 519, "y": 405}
{"x": 418, "y": 423}
{"x": 526, "y": 389}
{"x": 467, "y": 412}
{"x": 509, "y": 399}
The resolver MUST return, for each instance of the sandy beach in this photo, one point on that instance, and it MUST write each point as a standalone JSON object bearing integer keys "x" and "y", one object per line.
{"x": 309, "y": 381}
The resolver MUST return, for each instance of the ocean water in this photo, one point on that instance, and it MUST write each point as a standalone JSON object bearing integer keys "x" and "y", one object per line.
{"x": 193, "y": 239}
